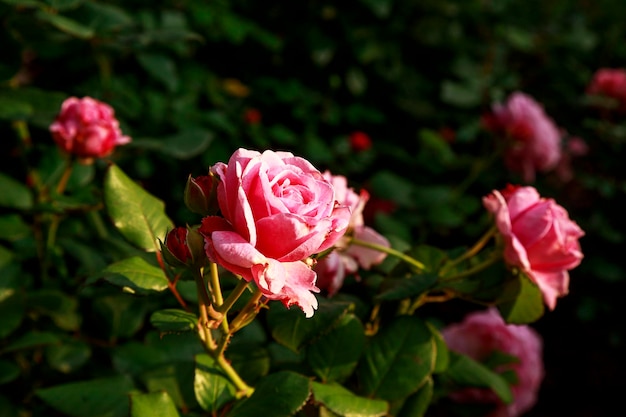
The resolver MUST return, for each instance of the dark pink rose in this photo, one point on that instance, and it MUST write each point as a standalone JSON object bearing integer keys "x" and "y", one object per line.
{"x": 483, "y": 333}
{"x": 611, "y": 83}
{"x": 533, "y": 139}
{"x": 539, "y": 238}
{"x": 346, "y": 258}
{"x": 87, "y": 128}
{"x": 277, "y": 210}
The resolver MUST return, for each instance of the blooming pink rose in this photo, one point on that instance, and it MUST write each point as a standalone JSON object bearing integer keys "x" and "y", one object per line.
{"x": 534, "y": 141}
{"x": 87, "y": 128}
{"x": 277, "y": 210}
{"x": 609, "y": 82}
{"x": 539, "y": 238}
{"x": 483, "y": 333}
{"x": 346, "y": 258}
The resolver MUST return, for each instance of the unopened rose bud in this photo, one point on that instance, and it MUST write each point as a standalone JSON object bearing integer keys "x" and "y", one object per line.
{"x": 200, "y": 195}
{"x": 183, "y": 246}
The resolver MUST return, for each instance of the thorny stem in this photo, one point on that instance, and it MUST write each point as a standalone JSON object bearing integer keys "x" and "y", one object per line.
{"x": 207, "y": 310}
{"x": 389, "y": 251}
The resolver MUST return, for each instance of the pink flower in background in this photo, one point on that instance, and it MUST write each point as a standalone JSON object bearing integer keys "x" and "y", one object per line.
{"x": 533, "y": 139}
{"x": 277, "y": 210}
{"x": 87, "y": 128}
{"x": 574, "y": 147}
{"x": 539, "y": 238}
{"x": 483, "y": 333}
{"x": 611, "y": 83}
{"x": 360, "y": 141}
{"x": 346, "y": 258}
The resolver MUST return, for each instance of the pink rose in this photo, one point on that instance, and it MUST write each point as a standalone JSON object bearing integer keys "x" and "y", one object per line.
{"x": 539, "y": 238}
{"x": 481, "y": 334}
{"x": 277, "y": 210}
{"x": 609, "y": 82}
{"x": 87, "y": 128}
{"x": 346, "y": 258}
{"x": 534, "y": 142}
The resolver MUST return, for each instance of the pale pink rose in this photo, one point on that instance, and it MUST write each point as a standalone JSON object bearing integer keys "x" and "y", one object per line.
{"x": 533, "y": 139}
{"x": 539, "y": 238}
{"x": 483, "y": 333}
{"x": 87, "y": 128}
{"x": 609, "y": 82}
{"x": 346, "y": 258}
{"x": 277, "y": 210}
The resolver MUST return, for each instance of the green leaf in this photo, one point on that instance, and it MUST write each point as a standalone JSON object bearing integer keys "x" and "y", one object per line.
{"x": 14, "y": 194}
{"x": 154, "y": 404}
{"x": 280, "y": 394}
{"x": 345, "y": 403}
{"x": 68, "y": 357}
{"x": 161, "y": 68}
{"x": 61, "y": 308}
{"x": 14, "y": 109}
{"x": 334, "y": 356}
{"x": 134, "y": 358}
{"x": 442, "y": 359}
{"x": 398, "y": 359}
{"x": 65, "y": 24}
{"x": 120, "y": 315}
{"x": 213, "y": 390}
{"x": 8, "y": 371}
{"x": 32, "y": 340}
{"x": 292, "y": 329}
{"x": 467, "y": 372}
{"x": 12, "y": 312}
{"x": 105, "y": 397}
{"x": 138, "y": 215}
{"x": 177, "y": 379}
{"x": 400, "y": 288}
{"x": 135, "y": 275}
{"x": 183, "y": 145}
{"x": 174, "y": 320}
{"x": 523, "y": 301}
{"x": 417, "y": 404}
{"x": 12, "y": 227}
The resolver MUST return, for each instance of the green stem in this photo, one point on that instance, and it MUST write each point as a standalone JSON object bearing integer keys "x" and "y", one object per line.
{"x": 67, "y": 172}
{"x": 243, "y": 389}
{"x": 470, "y": 252}
{"x": 389, "y": 251}
{"x": 493, "y": 258}
{"x": 233, "y": 297}
{"x": 216, "y": 290}
{"x": 246, "y": 312}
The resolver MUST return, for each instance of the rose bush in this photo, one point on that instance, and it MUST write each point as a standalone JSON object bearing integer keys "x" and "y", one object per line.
{"x": 532, "y": 139}
{"x": 538, "y": 236}
{"x": 277, "y": 210}
{"x": 483, "y": 333}
{"x": 87, "y": 128}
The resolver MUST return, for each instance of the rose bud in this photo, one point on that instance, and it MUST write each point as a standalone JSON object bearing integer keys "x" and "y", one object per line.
{"x": 200, "y": 195}
{"x": 183, "y": 246}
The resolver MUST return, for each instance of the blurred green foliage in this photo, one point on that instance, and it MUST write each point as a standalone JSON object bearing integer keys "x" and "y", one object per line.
{"x": 192, "y": 80}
